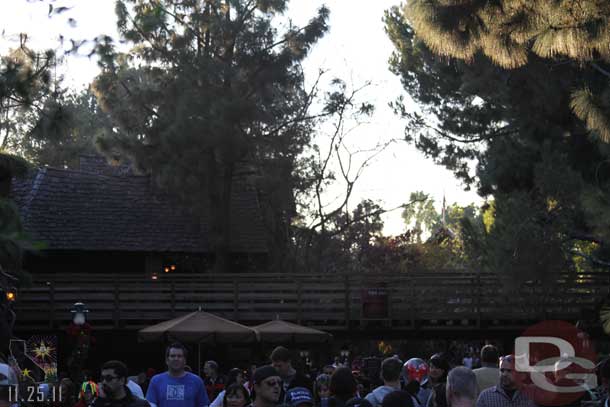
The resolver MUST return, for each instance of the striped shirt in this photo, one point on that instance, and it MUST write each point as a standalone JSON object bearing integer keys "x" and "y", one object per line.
{"x": 496, "y": 397}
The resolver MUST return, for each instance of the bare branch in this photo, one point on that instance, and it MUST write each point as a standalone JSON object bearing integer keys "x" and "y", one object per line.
{"x": 368, "y": 215}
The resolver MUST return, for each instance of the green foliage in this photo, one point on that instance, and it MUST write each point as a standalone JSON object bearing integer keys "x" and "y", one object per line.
{"x": 421, "y": 215}
{"x": 25, "y": 83}
{"x": 345, "y": 244}
{"x": 513, "y": 100}
{"x": 209, "y": 90}
{"x": 65, "y": 129}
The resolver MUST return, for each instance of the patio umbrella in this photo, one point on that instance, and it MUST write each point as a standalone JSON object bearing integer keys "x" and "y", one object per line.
{"x": 198, "y": 327}
{"x": 279, "y": 331}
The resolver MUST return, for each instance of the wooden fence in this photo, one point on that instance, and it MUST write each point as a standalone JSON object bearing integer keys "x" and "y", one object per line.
{"x": 332, "y": 301}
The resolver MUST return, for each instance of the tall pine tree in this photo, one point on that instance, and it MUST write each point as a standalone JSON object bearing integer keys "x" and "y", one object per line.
{"x": 206, "y": 87}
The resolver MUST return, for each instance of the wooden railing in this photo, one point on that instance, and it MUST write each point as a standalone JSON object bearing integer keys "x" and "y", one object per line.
{"x": 331, "y": 301}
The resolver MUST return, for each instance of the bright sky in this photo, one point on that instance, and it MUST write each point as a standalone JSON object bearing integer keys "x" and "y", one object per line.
{"x": 356, "y": 49}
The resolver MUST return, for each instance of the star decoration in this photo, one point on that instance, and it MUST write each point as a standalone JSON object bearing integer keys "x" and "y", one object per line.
{"x": 26, "y": 373}
{"x": 43, "y": 350}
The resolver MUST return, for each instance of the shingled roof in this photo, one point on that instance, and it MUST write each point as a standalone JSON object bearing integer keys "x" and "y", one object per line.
{"x": 102, "y": 208}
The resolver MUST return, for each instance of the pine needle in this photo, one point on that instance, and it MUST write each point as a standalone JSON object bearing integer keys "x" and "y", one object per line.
{"x": 588, "y": 109}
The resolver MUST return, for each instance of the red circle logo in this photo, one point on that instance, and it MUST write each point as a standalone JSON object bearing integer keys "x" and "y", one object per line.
{"x": 555, "y": 363}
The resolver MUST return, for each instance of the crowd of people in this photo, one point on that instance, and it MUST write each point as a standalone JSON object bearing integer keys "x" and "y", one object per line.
{"x": 435, "y": 382}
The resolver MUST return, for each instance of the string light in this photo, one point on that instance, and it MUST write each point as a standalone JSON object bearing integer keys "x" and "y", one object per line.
{"x": 11, "y": 296}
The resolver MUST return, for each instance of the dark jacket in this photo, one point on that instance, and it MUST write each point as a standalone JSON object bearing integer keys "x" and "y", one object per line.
{"x": 335, "y": 401}
{"x": 128, "y": 401}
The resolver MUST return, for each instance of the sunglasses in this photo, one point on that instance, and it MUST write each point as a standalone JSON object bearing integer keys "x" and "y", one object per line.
{"x": 108, "y": 378}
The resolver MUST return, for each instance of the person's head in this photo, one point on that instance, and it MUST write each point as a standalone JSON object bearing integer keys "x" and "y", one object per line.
{"x": 210, "y": 368}
{"x": 113, "y": 378}
{"x": 461, "y": 386}
{"x": 66, "y": 388}
{"x": 507, "y": 372}
{"x": 299, "y": 397}
{"x": 391, "y": 368}
{"x": 267, "y": 385}
{"x": 175, "y": 357}
{"x": 328, "y": 369}
{"x": 397, "y": 398}
{"x": 489, "y": 355}
{"x": 342, "y": 384}
{"x": 235, "y": 376}
{"x": 88, "y": 391}
{"x": 281, "y": 361}
{"x": 236, "y": 396}
{"x": 439, "y": 367}
{"x": 322, "y": 386}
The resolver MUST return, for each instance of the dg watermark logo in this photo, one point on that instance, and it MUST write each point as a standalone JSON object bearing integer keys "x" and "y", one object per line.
{"x": 555, "y": 363}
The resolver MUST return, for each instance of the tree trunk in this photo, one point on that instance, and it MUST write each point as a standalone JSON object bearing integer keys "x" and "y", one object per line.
{"x": 223, "y": 249}
{"x": 213, "y": 215}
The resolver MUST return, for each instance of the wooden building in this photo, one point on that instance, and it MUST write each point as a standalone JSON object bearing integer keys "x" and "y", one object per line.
{"x": 105, "y": 220}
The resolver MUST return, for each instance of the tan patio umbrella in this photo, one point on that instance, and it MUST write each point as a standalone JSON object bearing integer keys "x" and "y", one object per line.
{"x": 198, "y": 327}
{"x": 279, "y": 331}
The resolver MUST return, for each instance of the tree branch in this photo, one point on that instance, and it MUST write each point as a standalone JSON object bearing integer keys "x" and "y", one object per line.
{"x": 368, "y": 215}
{"x": 600, "y": 69}
{"x": 501, "y": 132}
{"x": 593, "y": 260}
{"x": 147, "y": 108}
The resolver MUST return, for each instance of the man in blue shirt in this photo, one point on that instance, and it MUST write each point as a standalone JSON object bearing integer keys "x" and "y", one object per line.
{"x": 176, "y": 387}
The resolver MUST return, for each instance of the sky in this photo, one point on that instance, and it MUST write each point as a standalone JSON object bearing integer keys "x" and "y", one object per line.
{"x": 356, "y": 49}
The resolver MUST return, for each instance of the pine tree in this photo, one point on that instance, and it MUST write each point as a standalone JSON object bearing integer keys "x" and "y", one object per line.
{"x": 208, "y": 86}
{"x": 512, "y": 97}
{"x": 65, "y": 129}
{"x": 513, "y": 32}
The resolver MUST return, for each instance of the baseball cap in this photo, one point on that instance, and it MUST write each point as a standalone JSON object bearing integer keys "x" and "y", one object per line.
{"x": 298, "y": 396}
{"x": 263, "y": 373}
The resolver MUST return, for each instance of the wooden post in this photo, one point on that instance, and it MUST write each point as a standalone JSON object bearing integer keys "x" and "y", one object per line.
{"x": 299, "y": 302}
{"x": 389, "y": 300}
{"x": 411, "y": 301}
{"x": 117, "y": 306}
{"x": 478, "y": 298}
{"x": 173, "y": 299}
{"x": 235, "y": 300}
{"x": 347, "y": 301}
{"x": 51, "y": 305}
